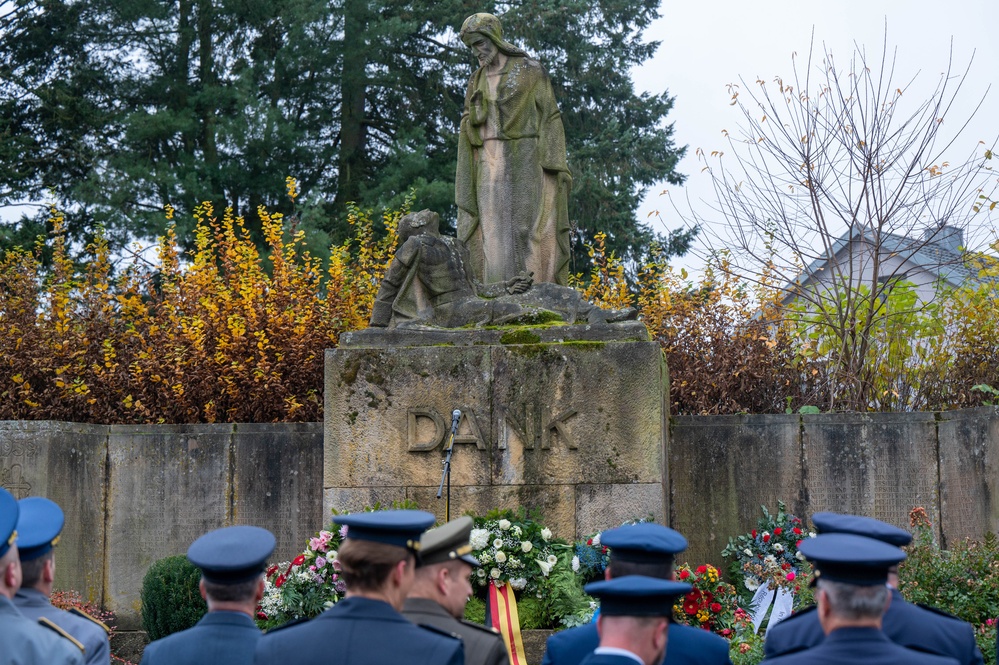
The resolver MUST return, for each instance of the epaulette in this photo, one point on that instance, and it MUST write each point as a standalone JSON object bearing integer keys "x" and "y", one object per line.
{"x": 289, "y": 624}
{"x": 83, "y": 615}
{"x": 937, "y": 610}
{"x": 44, "y": 621}
{"x": 435, "y": 629}
{"x": 802, "y": 612}
{"x": 479, "y": 626}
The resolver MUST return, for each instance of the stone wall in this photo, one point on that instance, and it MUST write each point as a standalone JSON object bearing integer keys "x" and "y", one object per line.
{"x": 135, "y": 494}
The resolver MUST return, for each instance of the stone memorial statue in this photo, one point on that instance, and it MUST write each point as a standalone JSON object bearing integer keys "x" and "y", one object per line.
{"x": 430, "y": 284}
{"x": 512, "y": 182}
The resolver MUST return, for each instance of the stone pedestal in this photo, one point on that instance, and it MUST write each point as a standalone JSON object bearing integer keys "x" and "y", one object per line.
{"x": 570, "y": 420}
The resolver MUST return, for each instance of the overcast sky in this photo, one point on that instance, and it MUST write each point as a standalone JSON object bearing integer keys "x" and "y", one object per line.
{"x": 708, "y": 44}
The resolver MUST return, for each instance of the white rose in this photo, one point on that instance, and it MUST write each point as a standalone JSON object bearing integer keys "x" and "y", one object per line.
{"x": 526, "y": 546}
{"x": 504, "y": 524}
{"x": 575, "y": 564}
{"x": 498, "y": 543}
{"x": 518, "y": 584}
{"x": 500, "y": 557}
{"x": 481, "y": 572}
{"x": 494, "y": 573}
{"x": 478, "y": 539}
{"x": 546, "y": 534}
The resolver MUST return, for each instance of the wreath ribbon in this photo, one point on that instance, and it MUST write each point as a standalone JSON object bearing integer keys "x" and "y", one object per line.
{"x": 503, "y": 615}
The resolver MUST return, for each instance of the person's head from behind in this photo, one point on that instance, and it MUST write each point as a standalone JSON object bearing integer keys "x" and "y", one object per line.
{"x": 642, "y": 549}
{"x": 10, "y": 565}
{"x": 232, "y": 562}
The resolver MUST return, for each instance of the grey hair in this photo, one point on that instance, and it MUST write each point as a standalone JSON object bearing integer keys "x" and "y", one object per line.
{"x": 851, "y": 601}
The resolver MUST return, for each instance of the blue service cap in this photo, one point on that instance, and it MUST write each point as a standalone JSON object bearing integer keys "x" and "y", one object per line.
{"x": 8, "y": 520}
{"x": 645, "y": 542}
{"x": 851, "y": 559}
{"x": 38, "y": 526}
{"x": 859, "y": 525}
{"x": 637, "y": 595}
{"x": 401, "y": 528}
{"x": 233, "y": 554}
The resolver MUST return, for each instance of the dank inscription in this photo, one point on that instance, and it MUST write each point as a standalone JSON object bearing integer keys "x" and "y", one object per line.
{"x": 427, "y": 429}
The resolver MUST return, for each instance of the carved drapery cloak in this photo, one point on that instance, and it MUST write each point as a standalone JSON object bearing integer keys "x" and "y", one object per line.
{"x": 512, "y": 206}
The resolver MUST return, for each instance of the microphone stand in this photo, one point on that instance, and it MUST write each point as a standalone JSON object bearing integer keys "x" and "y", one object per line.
{"x": 446, "y": 475}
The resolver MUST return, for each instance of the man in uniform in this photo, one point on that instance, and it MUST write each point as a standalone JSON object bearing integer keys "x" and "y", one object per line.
{"x": 377, "y": 561}
{"x": 634, "y": 622}
{"x": 441, "y": 591}
{"x": 852, "y": 595}
{"x": 913, "y": 626}
{"x": 232, "y": 562}
{"x": 23, "y": 641}
{"x": 641, "y": 549}
{"x": 38, "y": 527}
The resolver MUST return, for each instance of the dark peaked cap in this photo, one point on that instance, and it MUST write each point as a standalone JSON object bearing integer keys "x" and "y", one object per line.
{"x": 851, "y": 559}
{"x": 38, "y": 526}
{"x": 401, "y": 528}
{"x": 637, "y": 596}
{"x": 8, "y": 520}
{"x": 232, "y": 555}
{"x": 859, "y": 525}
{"x": 643, "y": 543}
{"x": 448, "y": 542}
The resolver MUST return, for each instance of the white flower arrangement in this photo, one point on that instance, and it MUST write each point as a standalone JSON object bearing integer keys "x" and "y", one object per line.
{"x": 514, "y": 550}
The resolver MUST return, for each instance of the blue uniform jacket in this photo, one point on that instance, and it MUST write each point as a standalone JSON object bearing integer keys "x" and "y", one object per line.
{"x": 859, "y": 645}
{"x": 685, "y": 645}
{"x": 904, "y": 623}
{"x": 358, "y": 631}
{"x": 34, "y": 604}
{"x": 220, "y": 637}
{"x": 608, "y": 659}
{"x": 24, "y": 642}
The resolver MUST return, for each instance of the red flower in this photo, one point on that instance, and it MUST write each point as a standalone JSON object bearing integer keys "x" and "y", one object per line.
{"x": 754, "y": 533}
{"x": 716, "y": 607}
{"x": 279, "y": 581}
{"x": 702, "y": 569}
{"x": 766, "y": 537}
{"x": 299, "y": 560}
{"x": 778, "y": 531}
{"x": 684, "y": 574}
{"x": 797, "y": 531}
{"x": 261, "y": 615}
{"x": 798, "y": 544}
{"x": 690, "y": 603}
{"x": 603, "y": 550}
{"x": 272, "y": 570}
{"x": 589, "y": 541}
{"x": 725, "y": 632}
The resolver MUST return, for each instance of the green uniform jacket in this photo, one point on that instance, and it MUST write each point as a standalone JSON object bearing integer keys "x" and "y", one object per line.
{"x": 482, "y": 645}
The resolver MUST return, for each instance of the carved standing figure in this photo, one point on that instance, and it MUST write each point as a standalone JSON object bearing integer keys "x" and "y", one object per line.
{"x": 512, "y": 183}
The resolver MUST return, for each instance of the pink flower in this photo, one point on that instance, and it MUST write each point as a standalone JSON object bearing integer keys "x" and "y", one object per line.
{"x": 320, "y": 562}
{"x": 790, "y": 576}
{"x": 343, "y": 531}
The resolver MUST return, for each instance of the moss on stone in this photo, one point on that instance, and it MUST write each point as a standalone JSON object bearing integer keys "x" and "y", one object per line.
{"x": 520, "y": 336}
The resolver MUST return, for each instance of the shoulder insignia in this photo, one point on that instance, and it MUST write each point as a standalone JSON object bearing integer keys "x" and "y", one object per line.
{"x": 80, "y": 613}
{"x": 44, "y": 621}
{"x": 937, "y": 610}
{"x": 802, "y": 612}
{"x": 289, "y": 624}
{"x": 479, "y": 626}
{"x": 435, "y": 629}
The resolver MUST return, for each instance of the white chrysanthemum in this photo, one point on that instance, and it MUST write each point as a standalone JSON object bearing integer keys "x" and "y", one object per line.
{"x": 770, "y": 559}
{"x": 546, "y": 534}
{"x": 518, "y": 584}
{"x": 500, "y": 557}
{"x": 504, "y": 525}
{"x": 752, "y": 584}
{"x": 494, "y": 573}
{"x": 778, "y": 548}
{"x": 516, "y": 531}
{"x": 481, "y": 572}
{"x": 478, "y": 539}
{"x": 575, "y": 564}
{"x": 485, "y": 559}
{"x": 526, "y": 546}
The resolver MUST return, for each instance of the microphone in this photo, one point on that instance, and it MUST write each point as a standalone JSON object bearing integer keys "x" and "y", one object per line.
{"x": 455, "y": 416}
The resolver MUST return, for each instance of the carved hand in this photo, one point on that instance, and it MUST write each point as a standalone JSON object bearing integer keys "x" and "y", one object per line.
{"x": 520, "y": 283}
